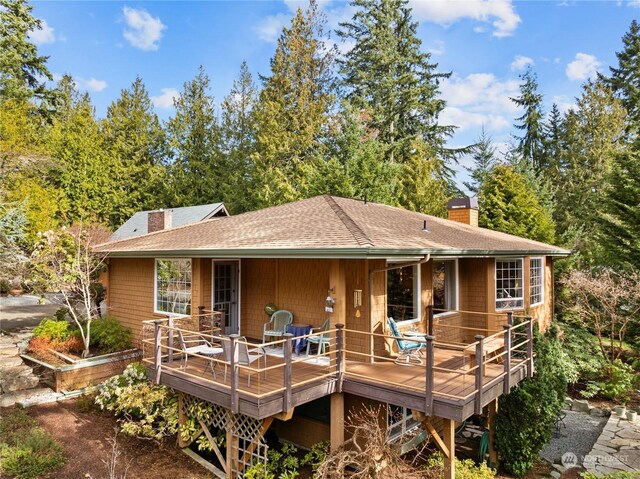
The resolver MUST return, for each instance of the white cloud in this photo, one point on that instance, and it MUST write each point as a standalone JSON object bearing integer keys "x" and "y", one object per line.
{"x": 436, "y": 48}
{"x": 583, "y": 67}
{"x": 95, "y": 85}
{"x": 465, "y": 120}
{"x": 165, "y": 99}
{"x": 500, "y": 13}
{"x": 564, "y": 103}
{"x": 271, "y": 27}
{"x": 144, "y": 31}
{"x": 520, "y": 62}
{"x": 45, "y": 34}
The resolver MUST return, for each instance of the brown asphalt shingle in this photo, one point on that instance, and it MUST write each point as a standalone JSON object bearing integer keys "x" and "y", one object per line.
{"x": 328, "y": 222}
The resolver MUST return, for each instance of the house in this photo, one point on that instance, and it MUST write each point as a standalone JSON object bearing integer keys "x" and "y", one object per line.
{"x": 144, "y": 222}
{"x": 473, "y": 293}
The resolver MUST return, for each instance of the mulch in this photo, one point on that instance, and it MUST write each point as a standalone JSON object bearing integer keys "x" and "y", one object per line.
{"x": 85, "y": 439}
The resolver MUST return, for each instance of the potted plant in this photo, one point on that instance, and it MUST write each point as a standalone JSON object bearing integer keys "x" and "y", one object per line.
{"x": 631, "y": 416}
{"x": 621, "y": 410}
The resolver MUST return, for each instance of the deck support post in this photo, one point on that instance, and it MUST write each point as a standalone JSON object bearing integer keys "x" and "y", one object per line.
{"x": 158, "y": 348}
{"x": 182, "y": 419}
{"x": 428, "y": 406}
{"x": 170, "y": 338}
{"x": 510, "y": 318}
{"x": 339, "y": 355}
{"x": 506, "y": 381}
{"x": 479, "y": 372}
{"x": 493, "y": 454}
{"x": 449, "y": 438}
{"x": 430, "y": 320}
{"x": 337, "y": 421}
{"x": 530, "y": 347}
{"x": 232, "y": 449}
{"x": 286, "y": 406}
{"x": 233, "y": 338}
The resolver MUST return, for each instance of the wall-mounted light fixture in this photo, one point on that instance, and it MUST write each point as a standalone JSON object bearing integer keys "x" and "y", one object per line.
{"x": 357, "y": 298}
{"x": 330, "y": 302}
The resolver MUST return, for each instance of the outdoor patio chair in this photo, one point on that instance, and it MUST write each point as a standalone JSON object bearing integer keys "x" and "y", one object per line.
{"x": 277, "y": 325}
{"x": 244, "y": 356}
{"x": 321, "y": 340}
{"x": 408, "y": 351}
{"x": 197, "y": 345}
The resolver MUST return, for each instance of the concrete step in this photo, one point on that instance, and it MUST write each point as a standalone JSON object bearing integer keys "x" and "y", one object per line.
{"x": 17, "y": 378}
{"x": 28, "y": 397}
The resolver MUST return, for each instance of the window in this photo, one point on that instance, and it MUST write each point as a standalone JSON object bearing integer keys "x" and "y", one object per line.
{"x": 509, "y": 284}
{"x": 173, "y": 286}
{"x": 403, "y": 293}
{"x": 536, "y": 281}
{"x": 445, "y": 294}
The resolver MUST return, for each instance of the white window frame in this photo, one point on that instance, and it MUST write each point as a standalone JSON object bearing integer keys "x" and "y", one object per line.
{"x": 239, "y": 295}
{"x": 542, "y": 275}
{"x": 456, "y": 295}
{"x": 417, "y": 293}
{"x": 155, "y": 287}
{"x": 495, "y": 284}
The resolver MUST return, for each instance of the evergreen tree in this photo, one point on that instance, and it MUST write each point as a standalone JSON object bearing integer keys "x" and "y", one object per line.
{"x": 509, "y": 204}
{"x": 625, "y": 78}
{"x": 619, "y": 221}
{"x": 237, "y": 137}
{"x": 553, "y": 144}
{"x": 21, "y": 68}
{"x": 134, "y": 135}
{"x": 484, "y": 158}
{"x": 194, "y": 136}
{"x": 292, "y": 113}
{"x": 530, "y": 145}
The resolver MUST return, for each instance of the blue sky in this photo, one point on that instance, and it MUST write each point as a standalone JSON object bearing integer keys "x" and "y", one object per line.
{"x": 485, "y": 44}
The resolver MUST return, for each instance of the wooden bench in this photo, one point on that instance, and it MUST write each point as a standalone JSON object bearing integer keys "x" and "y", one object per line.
{"x": 491, "y": 347}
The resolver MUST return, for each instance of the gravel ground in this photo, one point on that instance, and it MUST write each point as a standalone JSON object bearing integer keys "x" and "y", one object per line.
{"x": 578, "y": 437}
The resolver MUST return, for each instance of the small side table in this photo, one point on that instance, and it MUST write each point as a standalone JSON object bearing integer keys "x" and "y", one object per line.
{"x": 212, "y": 353}
{"x": 299, "y": 330}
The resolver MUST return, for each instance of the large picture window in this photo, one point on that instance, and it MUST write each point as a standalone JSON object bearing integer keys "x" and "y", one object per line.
{"x": 536, "y": 281}
{"x": 445, "y": 295}
{"x": 173, "y": 286}
{"x": 509, "y": 293}
{"x": 403, "y": 293}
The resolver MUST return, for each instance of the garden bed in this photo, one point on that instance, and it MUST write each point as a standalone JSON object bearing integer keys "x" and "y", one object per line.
{"x": 82, "y": 373}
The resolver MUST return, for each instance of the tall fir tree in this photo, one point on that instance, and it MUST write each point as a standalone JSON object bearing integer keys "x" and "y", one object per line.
{"x": 237, "y": 140}
{"x": 509, "y": 204}
{"x": 194, "y": 136}
{"x": 484, "y": 159}
{"x": 619, "y": 219}
{"x": 553, "y": 144}
{"x": 23, "y": 73}
{"x": 625, "y": 78}
{"x": 531, "y": 143}
{"x": 291, "y": 116}
{"x": 134, "y": 135}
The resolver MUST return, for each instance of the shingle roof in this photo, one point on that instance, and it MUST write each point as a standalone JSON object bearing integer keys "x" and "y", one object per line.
{"x": 327, "y": 226}
{"x": 137, "y": 224}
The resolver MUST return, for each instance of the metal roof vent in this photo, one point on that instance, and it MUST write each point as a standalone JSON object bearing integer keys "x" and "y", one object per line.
{"x": 424, "y": 227}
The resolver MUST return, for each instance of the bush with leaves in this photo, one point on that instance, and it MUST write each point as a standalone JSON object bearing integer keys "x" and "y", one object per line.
{"x": 53, "y": 330}
{"x": 109, "y": 335}
{"x": 144, "y": 409}
{"x": 465, "y": 469}
{"x": 527, "y": 415}
{"x": 614, "y": 381}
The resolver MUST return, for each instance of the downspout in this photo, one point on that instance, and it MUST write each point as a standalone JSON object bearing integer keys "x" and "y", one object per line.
{"x": 380, "y": 270}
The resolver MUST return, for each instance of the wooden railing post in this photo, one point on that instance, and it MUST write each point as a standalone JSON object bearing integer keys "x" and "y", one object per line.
{"x": 158, "y": 348}
{"x": 233, "y": 338}
{"x": 428, "y": 406}
{"x": 288, "y": 344}
{"x": 510, "y": 318}
{"x": 479, "y": 372}
{"x": 430, "y": 320}
{"x": 339, "y": 356}
{"x": 200, "y": 311}
{"x": 170, "y": 338}
{"x": 529, "y": 346}
{"x": 507, "y": 359}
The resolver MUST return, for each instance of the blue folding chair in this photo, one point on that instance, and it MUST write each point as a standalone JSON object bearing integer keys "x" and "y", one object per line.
{"x": 408, "y": 351}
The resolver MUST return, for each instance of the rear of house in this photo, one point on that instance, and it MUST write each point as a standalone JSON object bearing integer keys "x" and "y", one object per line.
{"x": 468, "y": 290}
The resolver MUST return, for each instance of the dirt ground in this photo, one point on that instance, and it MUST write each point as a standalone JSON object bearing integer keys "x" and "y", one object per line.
{"x": 85, "y": 439}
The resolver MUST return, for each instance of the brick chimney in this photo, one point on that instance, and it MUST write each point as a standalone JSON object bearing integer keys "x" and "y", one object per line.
{"x": 158, "y": 220}
{"x": 463, "y": 210}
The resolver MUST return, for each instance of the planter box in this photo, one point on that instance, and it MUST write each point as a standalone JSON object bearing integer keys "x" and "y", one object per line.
{"x": 86, "y": 372}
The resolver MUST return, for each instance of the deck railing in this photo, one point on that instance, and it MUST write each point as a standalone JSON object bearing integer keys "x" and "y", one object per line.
{"x": 451, "y": 372}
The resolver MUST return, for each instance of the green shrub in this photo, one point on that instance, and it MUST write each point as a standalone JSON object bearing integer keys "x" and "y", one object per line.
{"x": 316, "y": 455}
{"x": 52, "y": 330}
{"x": 611, "y": 475}
{"x": 109, "y": 335}
{"x": 583, "y": 358}
{"x": 27, "y": 451}
{"x": 465, "y": 469}
{"x": 527, "y": 415}
{"x": 614, "y": 381}
{"x": 61, "y": 314}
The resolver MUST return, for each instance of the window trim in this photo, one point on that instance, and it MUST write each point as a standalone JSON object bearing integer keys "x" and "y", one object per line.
{"x": 417, "y": 287}
{"x": 456, "y": 284}
{"x": 542, "y": 278}
{"x": 495, "y": 283}
{"x": 155, "y": 288}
